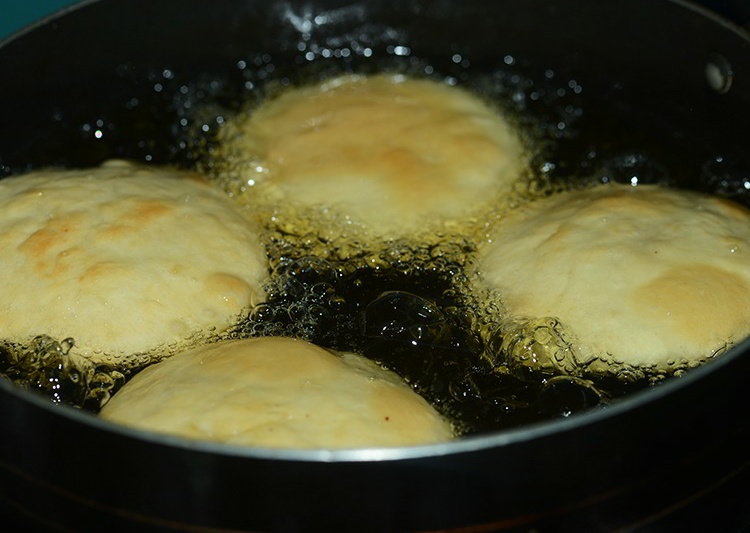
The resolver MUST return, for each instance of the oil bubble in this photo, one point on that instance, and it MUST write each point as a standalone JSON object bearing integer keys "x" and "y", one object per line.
{"x": 633, "y": 169}
{"x": 405, "y": 317}
{"x": 567, "y": 395}
{"x": 728, "y": 176}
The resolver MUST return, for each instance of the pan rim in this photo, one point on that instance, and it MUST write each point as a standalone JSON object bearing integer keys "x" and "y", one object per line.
{"x": 464, "y": 445}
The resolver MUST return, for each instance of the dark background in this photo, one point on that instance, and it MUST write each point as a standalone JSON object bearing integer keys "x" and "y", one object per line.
{"x": 736, "y": 10}
{"x": 15, "y": 14}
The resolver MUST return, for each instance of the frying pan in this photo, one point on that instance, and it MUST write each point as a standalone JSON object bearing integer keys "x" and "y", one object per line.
{"x": 661, "y": 83}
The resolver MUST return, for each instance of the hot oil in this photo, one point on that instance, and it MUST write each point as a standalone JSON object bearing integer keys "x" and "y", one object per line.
{"x": 405, "y": 304}
{"x": 47, "y": 366}
{"x": 55, "y": 369}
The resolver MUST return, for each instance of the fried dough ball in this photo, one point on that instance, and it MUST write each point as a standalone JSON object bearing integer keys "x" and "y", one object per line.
{"x": 642, "y": 277}
{"x": 277, "y": 392}
{"x": 391, "y": 154}
{"x": 122, "y": 258}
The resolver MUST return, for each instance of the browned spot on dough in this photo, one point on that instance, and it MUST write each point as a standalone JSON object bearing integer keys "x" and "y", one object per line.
{"x": 143, "y": 213}
{"x": 101, "y": 270}
{"x": 697, "y": 301}
{"x": 40, "y": 246}
{"x": 146, "y": 211}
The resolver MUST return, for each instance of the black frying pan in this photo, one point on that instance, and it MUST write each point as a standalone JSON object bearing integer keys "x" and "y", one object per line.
{"x": 673, "y": 458}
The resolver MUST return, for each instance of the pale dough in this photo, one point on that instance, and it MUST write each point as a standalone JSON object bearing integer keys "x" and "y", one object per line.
{"x": 394, "y": 154}
{"x": 641, "y": 276}
{"x": 123, "y": 259}
{"x": 278, "y": 393}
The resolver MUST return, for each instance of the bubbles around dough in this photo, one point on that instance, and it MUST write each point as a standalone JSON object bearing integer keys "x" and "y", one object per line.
{"x": 641, "y": 276}
{"x": 393, "y": 154}
{"x": 122, "y": 258}
{"x": 277, "y": 392}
